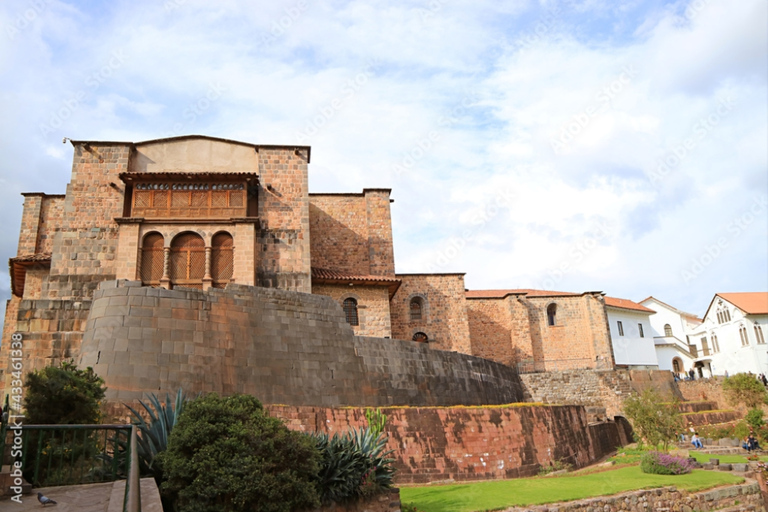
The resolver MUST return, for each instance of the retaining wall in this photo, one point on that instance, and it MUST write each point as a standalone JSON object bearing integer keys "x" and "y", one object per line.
{"x": 284, "y": 347}
{"x": 474, "y": 443}
{"x": 596, "y": 388}
{"x": 745, "y": 497}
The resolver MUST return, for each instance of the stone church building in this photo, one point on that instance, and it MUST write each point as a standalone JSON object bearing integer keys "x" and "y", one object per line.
{"x": 199, "y": 213}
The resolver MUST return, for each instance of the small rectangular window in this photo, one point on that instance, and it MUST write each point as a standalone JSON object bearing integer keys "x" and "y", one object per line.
{"x": 640, "y": 330}
{"x": 621, "y": 328}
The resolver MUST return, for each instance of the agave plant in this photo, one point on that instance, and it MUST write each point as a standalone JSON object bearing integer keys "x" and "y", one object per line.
{"x": 354, "y": 464}
{"x": 153, "y": 435}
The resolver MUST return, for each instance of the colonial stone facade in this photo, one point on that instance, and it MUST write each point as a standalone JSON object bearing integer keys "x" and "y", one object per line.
{"x": 200, "y": 213}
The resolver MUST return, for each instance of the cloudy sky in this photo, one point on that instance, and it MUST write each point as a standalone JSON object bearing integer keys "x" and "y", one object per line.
{"x": 566, "y": 145}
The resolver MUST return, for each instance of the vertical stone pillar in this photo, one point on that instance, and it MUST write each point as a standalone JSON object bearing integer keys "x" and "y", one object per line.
{"x": 207, "y": 280}
{"x": 165, "y": 281}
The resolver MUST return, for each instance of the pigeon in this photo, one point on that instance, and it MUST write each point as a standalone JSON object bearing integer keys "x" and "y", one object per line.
{"x": 45, "y": 500}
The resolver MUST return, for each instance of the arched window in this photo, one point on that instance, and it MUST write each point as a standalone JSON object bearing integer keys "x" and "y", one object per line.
{"x": 420, "y": 337}
{"x": 715, "y": 346}
{"x": 416, "y": 308}
{"x": 152, "y": 258}
{"x": 723, "y": 314}
{"x": 187, "y": 261}
{"x": 676, "y": 366}
{"x": 551, "y": 313}
{"x": 350, "y": 311}
{"x": 759, "y": 334}
{"x": 221, "y": 259}
{"x": 743, "y": 336}
{"x": 667, "y": 330}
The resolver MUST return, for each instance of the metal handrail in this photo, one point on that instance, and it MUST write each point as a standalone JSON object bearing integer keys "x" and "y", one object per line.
{"x": 74, "y": 459}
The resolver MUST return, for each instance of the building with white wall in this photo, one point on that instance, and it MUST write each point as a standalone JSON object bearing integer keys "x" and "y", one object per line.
{"x": 631, "y": 334}
{"x": 671, "y": 329}
{"x": 732, "y": 337}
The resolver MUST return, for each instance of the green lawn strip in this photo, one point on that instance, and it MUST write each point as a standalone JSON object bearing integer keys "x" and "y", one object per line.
{"x": 724, "y": 458}
{"x": 499, "y": 494}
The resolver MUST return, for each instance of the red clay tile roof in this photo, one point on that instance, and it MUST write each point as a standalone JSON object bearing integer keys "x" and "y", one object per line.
{"x": 500, "y": 294}
{"x": 18, "y": 269}
{"x": 615, "y": 302}
{"x": 328, "y": 276}
{"x": 752, "y": 303}
{"x": 683, "y": 313}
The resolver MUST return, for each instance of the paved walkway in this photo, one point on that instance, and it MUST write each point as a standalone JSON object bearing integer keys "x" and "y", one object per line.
{"x": 86, "y": 498}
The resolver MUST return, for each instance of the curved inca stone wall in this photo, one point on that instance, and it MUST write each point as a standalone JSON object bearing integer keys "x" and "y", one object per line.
{"x": 284, "y": 347}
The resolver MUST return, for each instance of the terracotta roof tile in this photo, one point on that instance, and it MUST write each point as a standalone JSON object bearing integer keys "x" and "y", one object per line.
{"x": 18, "y": 269}
{"x": 329, "y": 276}
{"x": 615, "y": 302}
{"x": 752, "y": 303}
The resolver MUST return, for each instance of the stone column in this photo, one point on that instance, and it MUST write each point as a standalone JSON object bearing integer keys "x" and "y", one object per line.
{"x": 207, "y": 280}
{"x": 165, "y": 281}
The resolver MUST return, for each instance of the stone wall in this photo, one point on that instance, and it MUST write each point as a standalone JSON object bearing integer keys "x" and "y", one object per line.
{"x": 707, "y": 389}
{"x": 579, "y": 338}
{"x": 499, "y": 330}
{"x": 283, "y": 238}
{"x": 352, "y": 233}
{"x": 602, "y": 389}
{"x": 372, "y": 306}
{"x": 514, "y": 330}
{"x": 282, "y": 346}
{"x": 473, "y": 443}
{"x": 51, "y": 330}
{"x": 745, "y": 497}
{"x": 444, "y": 313}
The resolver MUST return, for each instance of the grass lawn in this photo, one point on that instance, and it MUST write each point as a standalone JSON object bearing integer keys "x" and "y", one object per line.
{"x": 499, "y": 494}
{"x": 724, "y": 459}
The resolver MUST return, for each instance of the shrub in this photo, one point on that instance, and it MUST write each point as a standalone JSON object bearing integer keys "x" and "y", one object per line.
{"x": 225, "y": 454}
{"x": 744, "y": 388}
{"x": 63, "y": 395}
{"x": 653, "y": 420}
{"x": 659, "y": 463}
{"x": 755, "y": 418}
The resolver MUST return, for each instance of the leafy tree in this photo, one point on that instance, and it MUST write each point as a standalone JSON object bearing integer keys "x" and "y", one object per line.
{"x": 63, "y": 395}
{"x": 654, "y": 420}
{"x": 226, "y": 454}
{"x": 744, "y": 388}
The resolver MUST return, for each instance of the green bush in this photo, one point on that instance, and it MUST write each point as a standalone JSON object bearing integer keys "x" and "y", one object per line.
{"x": 226, "y": 454}
{"x": 353, "y": 465}
{"x": 654, "y": 421}
{"x": 755, "y": 418}
{"x": 63, "y": 395}
{"x": 659, "y": 463}
{"x": 744, "y": 388}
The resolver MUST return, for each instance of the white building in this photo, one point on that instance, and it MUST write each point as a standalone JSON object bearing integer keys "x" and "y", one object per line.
{"x": 671, "y": 330}
{"x": 631, "y": 334}
{"x": 732, "y": 337}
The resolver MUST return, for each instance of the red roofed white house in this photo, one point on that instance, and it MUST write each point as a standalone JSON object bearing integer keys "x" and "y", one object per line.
{"x": 631, "y": 334}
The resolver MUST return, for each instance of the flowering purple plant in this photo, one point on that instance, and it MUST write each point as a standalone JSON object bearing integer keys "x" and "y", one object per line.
{"x": 660, "y": 463}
